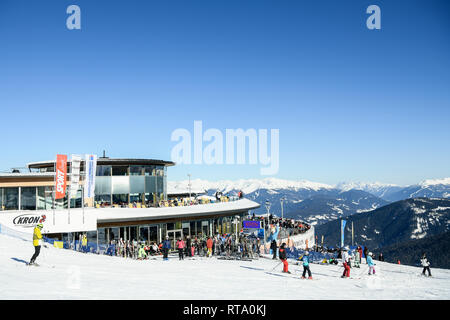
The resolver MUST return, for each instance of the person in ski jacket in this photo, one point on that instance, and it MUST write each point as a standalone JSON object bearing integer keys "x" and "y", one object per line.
{"x": 180, "y": 246}
{"x": 366, "y": 251}
{"x": 84, "y": 243}
{"x": 166, "y": 247}
{"x": 346, "y": 261}
{"x": 37, "y": 238}
{"x": 370, "y": 263}
{"x": 305, "y": 260}
{"x": 209, "y": 245}
{"x": 273, "y": 246}
{"x": 380, "y": 257}
{"x": 360, "y": 252}
{"x": 283, "y": 258}
{"x": 425, "y": 265}
{"x": 188, "y": 246}
{"x": 142, "y": 254}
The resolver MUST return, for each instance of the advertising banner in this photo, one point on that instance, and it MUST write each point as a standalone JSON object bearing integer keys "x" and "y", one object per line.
{"x": 251, "y": 224}
{"x": 61, "y": 176}
{"x": 90, "y": 169}
{"x": 343, "y": 223}
{"x": 75, "y": 175}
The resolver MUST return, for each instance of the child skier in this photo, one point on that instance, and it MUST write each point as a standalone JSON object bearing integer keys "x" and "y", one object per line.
{"x": 371, "y": 264}
{"x": 305, "y": 260}
{"x": 345, "y": 261}
{"x": 425, "y": 265}
{"x": 283, "y": 258}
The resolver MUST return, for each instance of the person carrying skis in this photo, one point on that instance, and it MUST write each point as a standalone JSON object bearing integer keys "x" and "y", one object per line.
{"x": 283, "y": 258}
{"x": 425, "y": 265}
{"x": 371, "y": 264}
{"x": 345, "y": 261}
{"x": 37, "y": 238}
{"x": 166, "y": 247}
{"x": 180, "y": 247}
{"x": 305, "y": 260}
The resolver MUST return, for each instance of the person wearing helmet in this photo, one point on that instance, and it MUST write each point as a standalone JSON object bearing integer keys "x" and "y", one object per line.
{"x": 141, "y": 253}
{"x": 166, "y": 247}
{"x": 283, "y": 258}
{"x": 370, "y": 263}
{"x": 37, "y": 238}
{"x": 346, "y": 261}
{"x": 305, "y": 260}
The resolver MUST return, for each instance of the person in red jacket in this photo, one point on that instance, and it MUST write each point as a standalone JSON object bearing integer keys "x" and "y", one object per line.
{"x": 209, "y": 245}
{"x": 283, "y": 258}
{"x": 180, "y": 246}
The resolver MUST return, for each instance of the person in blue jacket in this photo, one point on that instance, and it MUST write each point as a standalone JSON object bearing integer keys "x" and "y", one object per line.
{"x": 166, "y": 247}
{"x": 305, "y": 260}
{"x": 370, "y": 264}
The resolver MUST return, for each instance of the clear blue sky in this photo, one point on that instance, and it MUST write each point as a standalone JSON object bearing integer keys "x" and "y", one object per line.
{"x": 351, "y": 104}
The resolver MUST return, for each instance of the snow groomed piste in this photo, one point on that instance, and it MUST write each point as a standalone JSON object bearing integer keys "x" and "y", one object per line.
{"x": 66, "y": 274}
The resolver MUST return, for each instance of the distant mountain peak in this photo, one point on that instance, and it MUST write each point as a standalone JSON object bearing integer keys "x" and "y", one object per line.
{"x": 433, "y": 182}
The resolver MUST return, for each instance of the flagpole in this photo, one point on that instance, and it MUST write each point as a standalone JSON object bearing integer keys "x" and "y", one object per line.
{"x": 69, "y": 191}
{"x": 54, "y": 193}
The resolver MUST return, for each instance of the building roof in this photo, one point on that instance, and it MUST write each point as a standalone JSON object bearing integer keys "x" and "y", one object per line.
{"x": 107, "y": 161}
{"x": 108, "y": 215}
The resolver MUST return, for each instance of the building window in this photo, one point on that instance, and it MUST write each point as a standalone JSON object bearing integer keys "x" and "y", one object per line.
{"x": 103, "y": 171}
{"x": 11, "y": 198}
{"x": 28, "y": 198}
{"x": 120, "y": 171}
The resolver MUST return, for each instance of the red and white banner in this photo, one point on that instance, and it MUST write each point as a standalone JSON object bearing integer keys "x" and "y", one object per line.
{"x": 61, "y": 176}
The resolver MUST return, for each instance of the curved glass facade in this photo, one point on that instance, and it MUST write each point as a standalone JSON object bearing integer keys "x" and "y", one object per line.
{"x": 130, "y": 185}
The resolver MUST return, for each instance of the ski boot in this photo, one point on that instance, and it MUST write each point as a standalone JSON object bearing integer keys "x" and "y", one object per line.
{"x": 303, "y": 277}
{"x": 310, "y": 278}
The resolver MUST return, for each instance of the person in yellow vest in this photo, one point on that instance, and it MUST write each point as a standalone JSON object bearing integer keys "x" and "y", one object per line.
{"x": 84, "y": 243}
{"x": 37, "y": 238}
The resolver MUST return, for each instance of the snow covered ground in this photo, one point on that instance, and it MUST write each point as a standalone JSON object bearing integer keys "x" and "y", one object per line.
{"x": 66, "y": 274}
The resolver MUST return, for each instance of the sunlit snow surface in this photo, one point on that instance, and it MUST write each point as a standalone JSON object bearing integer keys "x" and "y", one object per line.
{"x": 65, "y": 274}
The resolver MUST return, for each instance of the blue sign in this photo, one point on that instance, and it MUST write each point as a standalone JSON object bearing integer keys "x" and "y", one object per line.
{"x": 251, "y": 224}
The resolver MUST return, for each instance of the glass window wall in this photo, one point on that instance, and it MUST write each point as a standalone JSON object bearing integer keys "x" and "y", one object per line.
{"x": 28, "y": 198}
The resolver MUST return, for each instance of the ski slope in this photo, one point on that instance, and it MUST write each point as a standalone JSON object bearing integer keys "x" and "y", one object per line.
{"x": 65, "y": 274}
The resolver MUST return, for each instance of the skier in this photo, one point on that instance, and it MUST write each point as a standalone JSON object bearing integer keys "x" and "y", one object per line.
{"x": 425, "y": 264}
{"x": 366, "y": 251}
{"x": 142, "y": 254}
{"x": 305, "y": 260}
{"x": 345, "y": 261}
{"x": 273, "y": 246}
{"x": 282, "y": 255}
{"x": 180, "y": 247}
{"x": 188, "y": 247}
{"x": 37, "y": 238}
{"x": 360, "y": 251}
{"x": 209, "y": 245}
{"x": 84, "y": 243}
{"x": 371, "y": 264}
{"x": 166, "y": 248}
{"x": 381, "y": 258}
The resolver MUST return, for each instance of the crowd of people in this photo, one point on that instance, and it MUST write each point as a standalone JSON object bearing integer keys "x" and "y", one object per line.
{"x": 173, "y": 202}
{"x": 203, "y": 246}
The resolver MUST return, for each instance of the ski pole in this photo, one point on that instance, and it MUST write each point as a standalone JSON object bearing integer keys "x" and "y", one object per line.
{"x": 276, "y": 266}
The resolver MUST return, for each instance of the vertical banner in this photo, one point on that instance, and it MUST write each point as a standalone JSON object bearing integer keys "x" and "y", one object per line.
{"x": 61, "y": 176}
{"x": 74, "y": 175}
{"x": 343, "y": 223}
{"x": 90, "y": 169}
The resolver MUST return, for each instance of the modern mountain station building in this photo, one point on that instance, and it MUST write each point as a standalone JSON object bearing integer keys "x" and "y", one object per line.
{"x": 131, "y": 202}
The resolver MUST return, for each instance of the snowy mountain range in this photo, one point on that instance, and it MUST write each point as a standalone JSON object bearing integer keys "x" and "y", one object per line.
{"x": 392, "y": 225}
{"x": 316, "y": 202}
